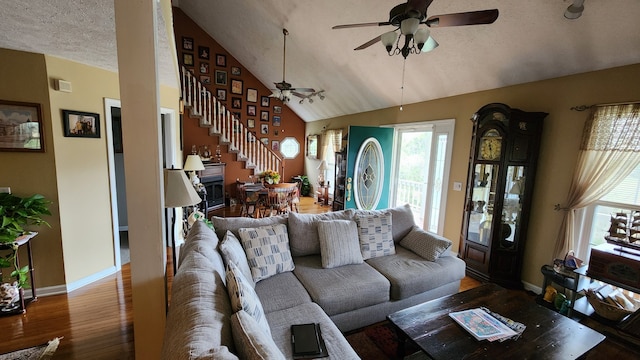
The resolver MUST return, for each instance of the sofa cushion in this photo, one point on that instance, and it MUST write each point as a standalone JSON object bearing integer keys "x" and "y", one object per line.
{"x": 235, "y": 223}
{"x": 339, "y": 243}
{"x": 411, "y": 274}
{"x": 303, "y": 230}
{"x": 251, "y": 341}
{"x": 402, "y": 220}
{"x": 232, "y": 251}
{"x": 243, "y": 297}
{"x": 267, "y": 249}
{"x": 426, "y": 244}
{"x": 281, "y": 321}
{"x": 281, "y": 291}
{"x": 374, "y": 233}
{"x": 343, "y": 288}
{"x": 200, "y": 305}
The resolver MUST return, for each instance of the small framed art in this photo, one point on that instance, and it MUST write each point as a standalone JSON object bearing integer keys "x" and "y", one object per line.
{"x": 251, "y": 110}
{"x": 235, "y": 71}
{"x": 221, "y": 77}
{"x": 27, "y": 117}
{"x": 187, "y": 59}
{"x": 236, "y": 86}
{"x": 80, "y": 124}
{"x": 221, "y": 94}
{"x": 203, "y": 52}
{"x": 264, "y": 101}
{"x": 236, "y": 103}
{"x": 276, "y": 120}
{"x": 204, "y": 68}
{"x": 221, "y": 60}
{"x": 205, "y": 79}
{"x": 264, "y": 129}
{"x": 265, "y": 141}
{"x": 277, "y": 109}
{"x": 252, "y": 95}
{"x": 187, "y": 43}
{"x": 264, "y": 115}
{"x": 275, "y": 145}
{"x": 251, "y": 123}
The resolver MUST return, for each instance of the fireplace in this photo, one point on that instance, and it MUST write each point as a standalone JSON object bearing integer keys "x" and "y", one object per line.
{"x": 212, "y": 177}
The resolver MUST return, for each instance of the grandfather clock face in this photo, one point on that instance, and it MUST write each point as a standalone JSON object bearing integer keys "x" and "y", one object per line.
{"x": 490, "y": 147}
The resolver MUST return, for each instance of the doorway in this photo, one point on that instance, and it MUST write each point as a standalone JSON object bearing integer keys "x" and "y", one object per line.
{"x": 115, "y": 157}
{"x": 423, "y": 160}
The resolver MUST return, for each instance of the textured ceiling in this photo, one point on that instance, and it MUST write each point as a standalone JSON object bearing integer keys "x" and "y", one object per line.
{"x": 531, "y": 40}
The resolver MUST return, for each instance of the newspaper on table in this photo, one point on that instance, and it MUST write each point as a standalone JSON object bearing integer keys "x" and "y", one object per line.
{"x": 484, "y": 324}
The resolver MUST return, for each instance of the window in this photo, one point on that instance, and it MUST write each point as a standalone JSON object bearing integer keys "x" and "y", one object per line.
{"x": 289, "y": 148}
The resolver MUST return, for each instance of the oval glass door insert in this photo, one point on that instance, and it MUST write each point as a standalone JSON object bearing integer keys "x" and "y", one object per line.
{"x": 368, "y": 176}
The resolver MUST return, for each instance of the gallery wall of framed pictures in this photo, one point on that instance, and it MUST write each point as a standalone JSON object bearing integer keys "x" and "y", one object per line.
{"x": 265, "y": 118}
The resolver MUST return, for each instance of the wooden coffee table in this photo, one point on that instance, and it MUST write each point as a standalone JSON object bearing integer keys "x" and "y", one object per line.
{"x": 549, "y": 335}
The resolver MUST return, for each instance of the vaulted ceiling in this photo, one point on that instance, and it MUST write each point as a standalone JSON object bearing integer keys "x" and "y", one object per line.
{"x": 530, "y": 40}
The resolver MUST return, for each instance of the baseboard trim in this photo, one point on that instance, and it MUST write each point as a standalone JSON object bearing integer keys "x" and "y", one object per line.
{"x": 65, "y": 289}
{"x": 533, "y": 288}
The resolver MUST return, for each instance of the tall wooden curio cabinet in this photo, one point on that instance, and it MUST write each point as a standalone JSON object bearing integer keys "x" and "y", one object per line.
{"x": 502, "y": 169}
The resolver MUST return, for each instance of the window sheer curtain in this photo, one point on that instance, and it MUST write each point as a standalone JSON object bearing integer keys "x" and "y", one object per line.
{"x": 610, "y": 150}
{"x": 331, "y": 139}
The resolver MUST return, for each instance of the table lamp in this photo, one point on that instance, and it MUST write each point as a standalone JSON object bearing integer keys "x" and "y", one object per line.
{"x": 322, "y": 167}
{"x": 178, "y": 192}
{"x": 193, "y": 164}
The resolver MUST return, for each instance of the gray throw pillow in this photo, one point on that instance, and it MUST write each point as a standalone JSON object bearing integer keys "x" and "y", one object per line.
{"x": 232, "y": 251}
{"x": 374, "y": 233}
{"x": 251, "y": 342}
{"x": 303, "y": 230}
{"x": 426, "y": 244}
{"x": 267, "y": 249}
{"x": 339, "y": 243}
{"x": 243, "y": 297}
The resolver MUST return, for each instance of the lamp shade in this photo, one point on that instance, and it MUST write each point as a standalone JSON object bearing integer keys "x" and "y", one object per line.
{"x": 323, "y": 166}
{"x": 389, "y": 38}
{"x": 421, "y": 37}
{"x": 178, "y": 191}
{"x": 409, "y": 26}
{"x": 193, "y": 163}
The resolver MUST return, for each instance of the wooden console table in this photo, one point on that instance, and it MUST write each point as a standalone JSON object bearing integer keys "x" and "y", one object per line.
{"x": 22, "y": 302}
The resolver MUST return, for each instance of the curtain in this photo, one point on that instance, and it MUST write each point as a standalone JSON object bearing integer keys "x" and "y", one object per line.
{"x": 331, "y": 139}
{"x": 609, "y": 151}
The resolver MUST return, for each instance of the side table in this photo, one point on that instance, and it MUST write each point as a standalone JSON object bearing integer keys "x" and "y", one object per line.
{"x": 568, "y": 280}
{"x": 20, "y": 241}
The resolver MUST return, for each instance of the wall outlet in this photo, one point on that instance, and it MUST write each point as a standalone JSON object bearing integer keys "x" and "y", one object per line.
{"x": 457, "y": 186}
{"x": 5, "y": 189}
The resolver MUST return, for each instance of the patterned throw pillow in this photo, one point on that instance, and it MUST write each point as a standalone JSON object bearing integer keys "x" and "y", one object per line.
{"x": 267, "y": 250}
{"x": 428, "y": 245}
{"x": 243, "y": 297}
{"x": 375, "y": 234}
{"x": 339, "y": 243}
{"x": 232, "y": 251}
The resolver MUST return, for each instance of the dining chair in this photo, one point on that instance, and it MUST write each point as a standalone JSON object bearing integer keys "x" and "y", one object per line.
{"x": 280, "y": 199}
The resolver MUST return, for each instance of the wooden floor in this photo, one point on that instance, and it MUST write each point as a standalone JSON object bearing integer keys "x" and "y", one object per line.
{"x": 96, "y": 321}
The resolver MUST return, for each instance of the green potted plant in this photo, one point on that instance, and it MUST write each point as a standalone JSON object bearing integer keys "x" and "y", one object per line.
{"x": 306, "y": 185}
{"x": 16, "y": 213}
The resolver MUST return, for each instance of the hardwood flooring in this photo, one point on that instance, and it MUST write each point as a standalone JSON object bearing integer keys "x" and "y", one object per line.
{"x": 96, "y": 321}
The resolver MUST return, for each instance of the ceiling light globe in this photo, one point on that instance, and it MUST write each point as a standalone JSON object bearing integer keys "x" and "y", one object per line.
{"x": 421, "y": 37}
{"x": 388, "y": 39}
{"x": 409, "y": 26}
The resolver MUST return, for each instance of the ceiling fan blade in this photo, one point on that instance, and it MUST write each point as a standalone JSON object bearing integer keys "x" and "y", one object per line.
{"x": 349, "y": 26}
{"x": 302, "y": 96}
{"x": 309, "y": 90}
{"x": 417, "y": 8}
{"x": 369, "y": 43}
{"x": 465, "y": 18}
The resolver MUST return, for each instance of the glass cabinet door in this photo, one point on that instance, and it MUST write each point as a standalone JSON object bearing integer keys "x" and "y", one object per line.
{"x": 512, "y": 206}
{"x": 482, "y": 203}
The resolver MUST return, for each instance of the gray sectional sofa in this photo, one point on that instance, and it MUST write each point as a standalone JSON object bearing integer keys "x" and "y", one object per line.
{"x": 317, "y": 280}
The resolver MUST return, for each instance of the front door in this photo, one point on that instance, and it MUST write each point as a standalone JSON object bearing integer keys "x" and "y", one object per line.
{"x": 369, "y": 152}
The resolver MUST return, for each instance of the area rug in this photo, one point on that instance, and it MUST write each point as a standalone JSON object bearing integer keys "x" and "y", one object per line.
{"x": 40, "y": 352}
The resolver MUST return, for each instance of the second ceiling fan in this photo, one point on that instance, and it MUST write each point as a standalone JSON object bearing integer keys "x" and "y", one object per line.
{"x": 284, "y": 90}
{"x": 408, "y": 16}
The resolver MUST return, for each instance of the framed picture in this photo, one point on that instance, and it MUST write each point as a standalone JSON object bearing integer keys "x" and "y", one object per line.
{"x": 277, "y": 109}
{"x": 276, "y": 120}
{"x": 204, "y": 68}
{"x": 221, "y": 94}
{"x": 264, "y": 101}
{"x": 236, "y": 86}
{"x": 205, "y": 79}
{"x": 252, "y": 95}
{"x": 203, "y": 52}
{"x": 236, "y": 114}
{"x": 264, "y": 115}
{"x": 81, "y": 124}
{"x": 275, "y": 145}
{"x": 221, "y": 77}
{"x": 221, "y": 60}
{"x": 251, "y": 123}
{"x": 187, "y": 59}
{"x": 265, "y": 141}
{"x": 21, "y": 127}
{"x": 236, "y": 103}
{"x": 251, "y": 110}
{"x": 312, "y": 146}
{"x": 235, "y": 71}
{"x": 187, "y": 43}
{"x": 264, "y": 129}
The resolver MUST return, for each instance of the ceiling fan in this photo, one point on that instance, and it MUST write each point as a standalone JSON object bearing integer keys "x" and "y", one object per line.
{"x": 283, "y": 89}
{"x": 415, "y": 11}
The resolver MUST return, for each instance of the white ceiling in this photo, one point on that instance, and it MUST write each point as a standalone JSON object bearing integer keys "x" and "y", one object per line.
{"x": 531, "y": 40}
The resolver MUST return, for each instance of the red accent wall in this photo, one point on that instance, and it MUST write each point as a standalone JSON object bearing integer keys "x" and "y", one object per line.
{"x": 188, "y": 33}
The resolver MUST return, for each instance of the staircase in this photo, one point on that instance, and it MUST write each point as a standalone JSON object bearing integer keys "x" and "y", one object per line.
{"x": 213, "y": 115}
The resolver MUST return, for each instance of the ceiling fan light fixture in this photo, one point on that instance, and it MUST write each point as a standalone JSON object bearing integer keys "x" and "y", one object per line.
{"x": 409, "y": 26}
{"x": 574, "y": 10}
{"x": 389, "y": 39}
{"x": 430, "y": 44}
{"x": 421, "y": 37}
